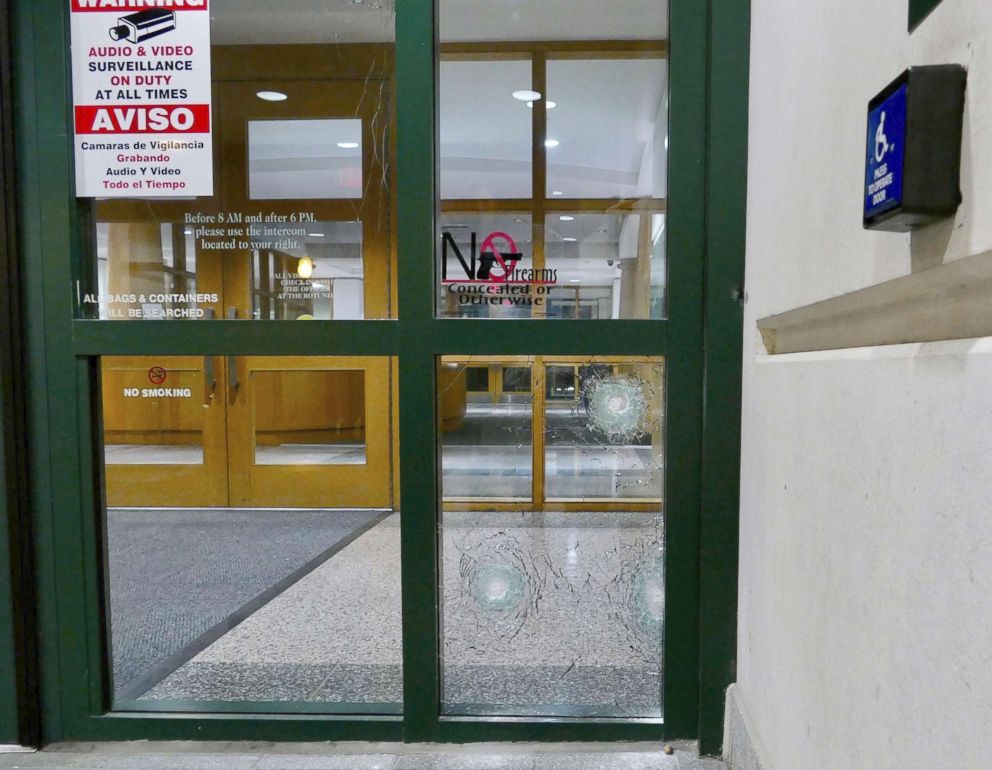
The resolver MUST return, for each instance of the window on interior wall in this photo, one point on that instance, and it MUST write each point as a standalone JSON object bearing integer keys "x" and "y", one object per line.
{"x": 919, "y": 10}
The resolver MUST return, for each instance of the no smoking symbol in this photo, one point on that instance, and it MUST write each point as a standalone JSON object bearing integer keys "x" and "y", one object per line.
{"x": 157, "y": 375}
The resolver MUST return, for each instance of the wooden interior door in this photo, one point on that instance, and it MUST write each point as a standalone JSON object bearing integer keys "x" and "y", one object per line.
{"x": 310, "y": 432}
{"x": 241, "y": 437}
{"x": 165, "y": 435}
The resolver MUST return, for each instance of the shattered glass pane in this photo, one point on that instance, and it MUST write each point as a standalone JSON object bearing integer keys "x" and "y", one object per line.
{"x": 553, "y": 614}
{"x": 606, "y": 441}
{"x": 555, "y": 607}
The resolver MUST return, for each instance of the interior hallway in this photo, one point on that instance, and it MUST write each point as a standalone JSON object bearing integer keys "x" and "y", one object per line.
{"x": 552, "y": 614}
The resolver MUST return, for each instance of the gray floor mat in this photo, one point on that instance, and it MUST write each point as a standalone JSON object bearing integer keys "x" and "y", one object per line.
{"x": 174, "y": 574}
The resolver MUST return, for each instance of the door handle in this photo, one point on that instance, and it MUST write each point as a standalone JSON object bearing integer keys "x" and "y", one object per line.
{"x": 232, "y": 364}
{"x": 232, "y": 373}
{"x": 210, "y": 370}
{"x": 210, "y": 365}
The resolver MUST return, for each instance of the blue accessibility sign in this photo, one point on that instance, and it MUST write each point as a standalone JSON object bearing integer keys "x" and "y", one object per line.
{"x": 886, "y": 154}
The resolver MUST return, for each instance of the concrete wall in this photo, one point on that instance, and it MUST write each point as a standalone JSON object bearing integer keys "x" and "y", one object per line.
{"x": 865, "y": 636}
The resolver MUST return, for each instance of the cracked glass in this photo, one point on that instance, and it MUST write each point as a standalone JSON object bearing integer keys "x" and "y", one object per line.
{"x": 300, "y": 225}
{"x": 553, "y": 549}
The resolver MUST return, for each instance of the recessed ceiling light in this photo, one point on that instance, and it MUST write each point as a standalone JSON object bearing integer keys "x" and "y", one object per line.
{"x": 304, "y": 268}
{"x": 272, "y": 96}
{"x": 551, "y": 143}
{"x": 566, "y": 218}
{"x": 575, "y": 280}
{"x": 187, "y": 232}
{"x": 518, "y": 219}
{"x": 550, "y": 105}
{"x": 349, "y": 145}
{"x": 570, "y": 240}
{"x": 527, "y": 96}
{"x": 316, "y": 235}
{"x": 557, "y": 192}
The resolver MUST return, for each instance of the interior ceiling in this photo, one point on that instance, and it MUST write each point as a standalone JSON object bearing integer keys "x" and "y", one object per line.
{"x": 605, "y": 118}
{"x": 301, "y": 22}
{"x": 241, "y": 22}
{"x": 467, "y": 20}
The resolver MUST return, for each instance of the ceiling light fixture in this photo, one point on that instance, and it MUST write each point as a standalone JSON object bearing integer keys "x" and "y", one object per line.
{"x": 551, "y": 143}
{"x": 570, "y": 240}
{"x": 527, "y": 96}
{"x": 304, "y": 268}
{"x": 349, "y": 145}
{"x": 272, "y": 96}
{"x": 556, "y": 193}
{"x": 550, "y": 105}
{"x": 566, "y": 218}
{"x": 316, "y": 235}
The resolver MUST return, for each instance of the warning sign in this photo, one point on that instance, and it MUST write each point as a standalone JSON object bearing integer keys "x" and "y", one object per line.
{"x": 141, "y": 91}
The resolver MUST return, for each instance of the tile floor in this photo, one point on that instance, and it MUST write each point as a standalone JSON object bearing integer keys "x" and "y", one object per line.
{"x": 544, "y": 614}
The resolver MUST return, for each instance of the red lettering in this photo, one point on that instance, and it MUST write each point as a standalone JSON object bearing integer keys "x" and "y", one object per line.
{"x": 89, "y": 6}
{"x": 147, "y": 119}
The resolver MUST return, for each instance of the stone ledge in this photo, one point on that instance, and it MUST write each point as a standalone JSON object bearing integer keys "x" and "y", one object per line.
{"x": 949, "y": 302}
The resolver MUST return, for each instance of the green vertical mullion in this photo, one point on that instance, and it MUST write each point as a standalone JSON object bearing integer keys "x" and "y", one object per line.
{"x": 9, "y": 706}
{"x": 10, "y": 667}
{"x": 91, "y": 519}
{"x": 66, "y": 552}
{"x": 33, "y": 117}
{"x": 416, "y": 213}
{"x": 686, "y": 243}
{"x": 726, "y": 193}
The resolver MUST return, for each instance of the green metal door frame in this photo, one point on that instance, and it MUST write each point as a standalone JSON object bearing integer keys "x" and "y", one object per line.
{"x": 726, "y": 215}
{"x": 9, "y": 702}
{"x": 16, "y": 649}
{"x": 708, "y": 54}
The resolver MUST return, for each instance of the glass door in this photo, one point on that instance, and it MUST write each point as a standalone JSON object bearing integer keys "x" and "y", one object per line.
{"x": 557, "y": 460}
{"x": 250, "y": 514}
{"x": 397, "y": 435}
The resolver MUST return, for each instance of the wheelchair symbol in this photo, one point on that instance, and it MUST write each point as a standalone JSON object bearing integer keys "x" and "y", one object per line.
{"x": 881, "y": 142}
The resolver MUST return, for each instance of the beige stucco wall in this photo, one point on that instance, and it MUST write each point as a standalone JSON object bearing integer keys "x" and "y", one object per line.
{"x": 865, "y": 630}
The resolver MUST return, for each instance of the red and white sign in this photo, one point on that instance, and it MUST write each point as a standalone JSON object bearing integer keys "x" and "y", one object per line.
{"x": 141, "y": 91}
